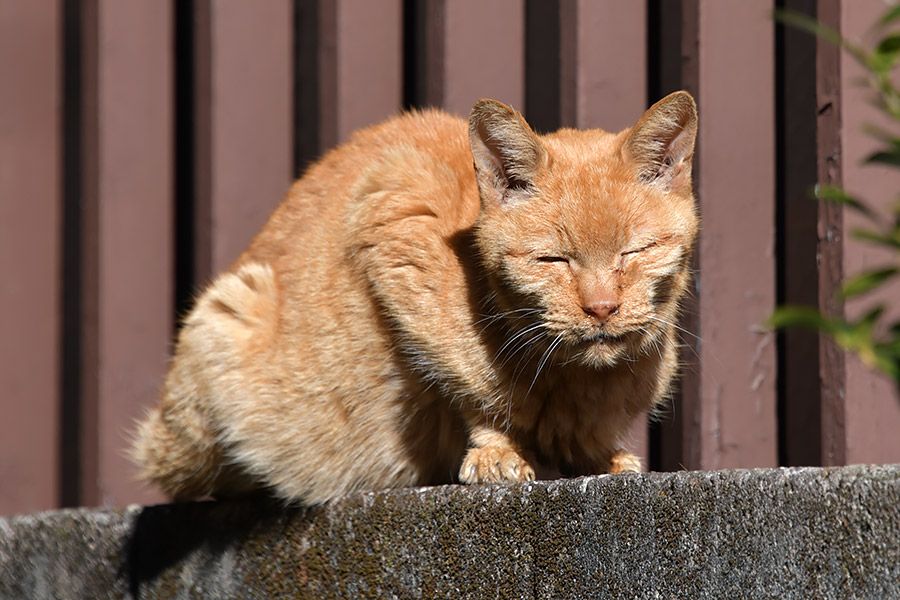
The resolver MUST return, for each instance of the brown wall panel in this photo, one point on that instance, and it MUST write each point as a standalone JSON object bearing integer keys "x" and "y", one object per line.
{"x": 30, "y": 185}
{"x": 603, "y": 63}
{"x": 832, "y": 373}
{"x": 735, "y": 380}
{"x": 476, "y": 50}
{"x": 368, "y": 66}
{"x": 872, "y": 409}
{"x": 128, "y": 234}
{"x": 244, "y": 120}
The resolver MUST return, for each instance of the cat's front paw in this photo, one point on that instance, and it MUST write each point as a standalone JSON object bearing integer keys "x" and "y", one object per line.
{"x": 492, "y": 464}
{"x": 624, "y": 462}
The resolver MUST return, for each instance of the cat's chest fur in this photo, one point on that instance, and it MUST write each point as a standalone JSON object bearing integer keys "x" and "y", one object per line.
{"x": 407, "y": 317}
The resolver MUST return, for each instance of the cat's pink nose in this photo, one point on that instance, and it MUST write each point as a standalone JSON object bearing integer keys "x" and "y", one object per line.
{"x": 601, "y": 311}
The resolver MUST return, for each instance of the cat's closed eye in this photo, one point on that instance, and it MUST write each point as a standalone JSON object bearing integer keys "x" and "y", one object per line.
{"x": 640, "y": 249}
{"x": 553, "y": 259}
{"x": 623, "y": 256}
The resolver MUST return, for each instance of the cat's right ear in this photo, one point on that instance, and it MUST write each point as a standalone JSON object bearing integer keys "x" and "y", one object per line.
{"x": 507, "y": 153}
{"x": 661, "y": 144}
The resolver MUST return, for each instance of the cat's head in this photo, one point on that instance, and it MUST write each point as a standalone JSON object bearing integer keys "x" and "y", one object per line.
{"x": 587, "y": 235}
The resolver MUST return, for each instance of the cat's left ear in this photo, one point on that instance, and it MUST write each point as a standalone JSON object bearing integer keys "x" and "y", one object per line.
{"x": 661, "y": 144}
{"x": 507, "y": 153}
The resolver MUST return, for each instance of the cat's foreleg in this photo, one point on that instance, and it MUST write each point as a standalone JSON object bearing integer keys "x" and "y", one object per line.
{"x": 493, "y": 457}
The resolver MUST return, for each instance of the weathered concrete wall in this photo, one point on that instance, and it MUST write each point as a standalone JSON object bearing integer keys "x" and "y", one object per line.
{"x": 785, "y": 533}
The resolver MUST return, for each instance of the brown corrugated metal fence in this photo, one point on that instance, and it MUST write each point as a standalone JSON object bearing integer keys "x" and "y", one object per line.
{"x": 143, "y": 143}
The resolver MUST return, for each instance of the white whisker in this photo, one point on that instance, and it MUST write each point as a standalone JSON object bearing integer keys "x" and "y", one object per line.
{"x": 544, "y": 359}
{"x": 508, "y": 314}
{"x": 519, "y": 341}
{"x": 670, "y": 324}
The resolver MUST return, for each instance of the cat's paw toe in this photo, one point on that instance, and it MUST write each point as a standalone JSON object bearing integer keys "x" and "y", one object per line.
{"x": 492, "y": 464}
{"x": 624, "y": 462}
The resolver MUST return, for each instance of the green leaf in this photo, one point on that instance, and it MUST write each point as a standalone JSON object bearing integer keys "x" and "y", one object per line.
{"x": 800, "y": 316}
{"x": 876, "y": 238}
{"x": 881, "y": 134}
{"x": 884, "y": 57}
{"x": 893, "y": 345}
{"x": 833, "y": 193}
{"x": 891, "y": 158}
{"x": 867, "y": 281}
{"x": 892, "y": 14}
{"x": 890, "y": 44}
{"x": 867, "y": 322}
{"x": 895, "y": 332}
{"x": 887, "y": 360}
{"x": 808, "y": 24}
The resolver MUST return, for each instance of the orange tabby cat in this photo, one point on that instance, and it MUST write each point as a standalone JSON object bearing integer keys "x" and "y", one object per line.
{"x": 405, "y": 318}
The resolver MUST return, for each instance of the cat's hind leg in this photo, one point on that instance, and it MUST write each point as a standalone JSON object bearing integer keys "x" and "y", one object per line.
{"x": 623, "y": 461}
{"x": 177, "y": 451}
{"x": 225, "y": 338}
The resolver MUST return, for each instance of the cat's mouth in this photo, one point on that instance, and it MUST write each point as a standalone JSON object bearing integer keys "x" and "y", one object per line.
{"x": 601, "y": 348}
{"x": 603, "y": 337}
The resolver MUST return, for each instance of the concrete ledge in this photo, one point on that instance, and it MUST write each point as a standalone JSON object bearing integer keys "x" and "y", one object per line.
{"x": 782, "y": 533}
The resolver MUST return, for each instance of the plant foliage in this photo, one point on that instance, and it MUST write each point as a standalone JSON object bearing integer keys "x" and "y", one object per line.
{"x": 876, "y": 342}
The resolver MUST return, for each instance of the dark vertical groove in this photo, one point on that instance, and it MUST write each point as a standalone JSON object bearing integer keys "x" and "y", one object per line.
{"x": 542, "y": 65}
{"x": 70, "y": 364}
{"x": 88, "y": 343}
{"x": 201, "y": 109}
{"x": 780, "y": 263}
{"x": 413, "y": 40}
{"x": 654, "y": 85}
{"x": 670, "y": 54}
{"x": 422, "y": 53}
{"x": 184, "y": 213}
{"x": 433, "y": 68}
{"x": 799, "y": 402}
{"x": 307, "y": 83}
{"x": 665, "y": 65}
{"x": 654, "y": 49}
